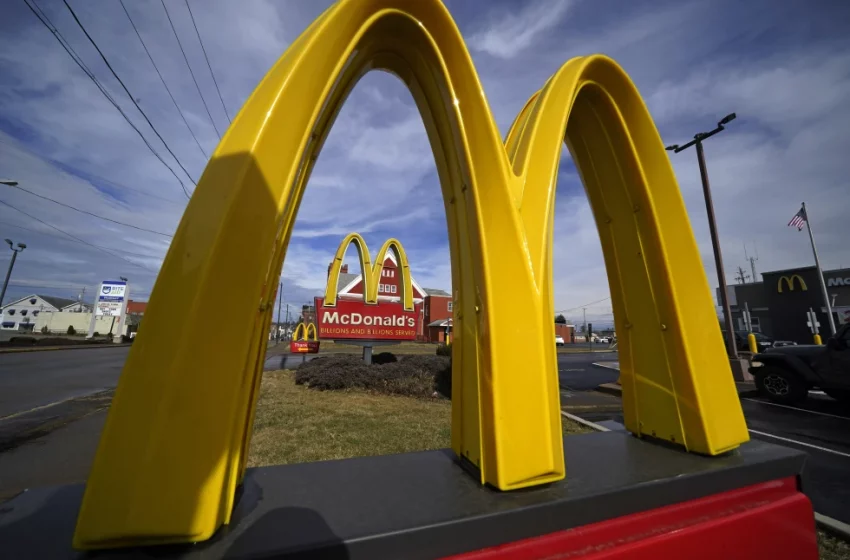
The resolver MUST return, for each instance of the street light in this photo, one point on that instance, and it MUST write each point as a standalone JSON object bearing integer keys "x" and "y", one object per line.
{"x": 21, "y": 247}
{"x": 712, "y": 224}
{"x": 8, "y": 183}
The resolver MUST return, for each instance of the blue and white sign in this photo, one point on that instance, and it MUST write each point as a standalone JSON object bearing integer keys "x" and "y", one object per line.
{"x": 110, "y": 298}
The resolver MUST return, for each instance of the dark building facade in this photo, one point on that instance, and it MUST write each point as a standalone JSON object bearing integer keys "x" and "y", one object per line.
{"x": 779, "y": 303}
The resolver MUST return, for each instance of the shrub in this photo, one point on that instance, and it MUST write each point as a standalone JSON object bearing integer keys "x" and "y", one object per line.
{"x": 71, "y": 330}
{"x": 414, "y": 376}
{"x": 21, "y": 341}
{"x": 45, "y": 330}
{"x": 384, "y": 358}
{"x": 96, "y": 334}
{"x": 444, "y": 349}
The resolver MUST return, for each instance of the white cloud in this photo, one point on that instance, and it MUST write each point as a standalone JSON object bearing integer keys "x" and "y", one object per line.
{"x": 510, "y": 32}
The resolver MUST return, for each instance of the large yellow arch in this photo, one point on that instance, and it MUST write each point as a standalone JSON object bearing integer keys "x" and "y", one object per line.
{"x": 174, "y": 445}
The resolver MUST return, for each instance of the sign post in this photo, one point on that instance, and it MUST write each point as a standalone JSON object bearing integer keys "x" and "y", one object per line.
{"x": 812, "y": 323}
{"x": 110, "y": 301}
{"x": 748, "y": 324}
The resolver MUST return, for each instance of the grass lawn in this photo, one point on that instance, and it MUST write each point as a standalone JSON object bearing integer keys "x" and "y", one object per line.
{"x": 297, "y": 425}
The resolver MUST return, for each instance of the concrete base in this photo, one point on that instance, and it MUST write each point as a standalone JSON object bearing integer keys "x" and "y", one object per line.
{"x": 740, "y": 369}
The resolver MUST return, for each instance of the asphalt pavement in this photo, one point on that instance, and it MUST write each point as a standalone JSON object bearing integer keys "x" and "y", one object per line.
{"x": 820, "y": 427}
{"x": 32, "y": 379}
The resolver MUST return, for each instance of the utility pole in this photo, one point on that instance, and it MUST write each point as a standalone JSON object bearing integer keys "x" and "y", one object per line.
{"x": 21, "y": 247}
{"x": 742, "y": 276}
{"x": 80, "y": 300}
{"x": 584, "y": 314}
{"x": 279, "y": 301}
{"x": 712, "y": 225}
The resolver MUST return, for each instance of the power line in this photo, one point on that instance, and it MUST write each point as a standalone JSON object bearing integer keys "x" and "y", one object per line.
{"x": 130, "y": 95}
{"x": 75, "y": 241}
{"x": 190, "y": 68}
{"x": 161, "y": 79}
{"x": 583, "y": 305}
{"x": 88, "y": 173}
{"x": 220, "y": 98}
{"x": 76, "y": 58}
{"x": 92, "y": 213}
{"x": 75, "y": 237}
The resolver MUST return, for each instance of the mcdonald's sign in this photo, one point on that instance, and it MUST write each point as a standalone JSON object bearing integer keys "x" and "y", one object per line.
{"x": 304, "y": 339}
{"x": 366, "y": 319}
{"x": 789, "y": 283}
{"x": 171, "y": 456}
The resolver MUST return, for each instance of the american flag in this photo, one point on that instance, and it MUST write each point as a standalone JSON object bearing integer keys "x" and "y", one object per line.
{"x": 799, "y": 219}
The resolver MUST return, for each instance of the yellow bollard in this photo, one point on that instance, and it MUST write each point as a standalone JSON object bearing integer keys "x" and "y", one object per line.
{"x": 751, "y": 340}
{"x": 818, "y": 340}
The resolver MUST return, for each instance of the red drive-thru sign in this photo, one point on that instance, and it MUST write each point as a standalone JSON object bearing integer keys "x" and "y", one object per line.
{"x": 356, "y": 320}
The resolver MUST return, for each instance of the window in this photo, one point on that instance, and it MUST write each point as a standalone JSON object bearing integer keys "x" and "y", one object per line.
{"x": 387, "y": 289}
{"x": 11, "y": 312}
{"x": 451, "y": 303}
{"x": 8, "y": 324}
{"x": 23, "y": 312}
{"x": 32, "y": 301}
{"x": 35, "y": 313}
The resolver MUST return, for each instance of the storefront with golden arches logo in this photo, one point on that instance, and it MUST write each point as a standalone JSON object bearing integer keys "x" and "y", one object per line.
{"x": 780, "y": 301}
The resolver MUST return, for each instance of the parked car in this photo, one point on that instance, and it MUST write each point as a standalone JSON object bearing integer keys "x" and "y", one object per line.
{"x": 785, "y": 374}
{"x": 559, "y": 340}
{"x": 763, "y": 342}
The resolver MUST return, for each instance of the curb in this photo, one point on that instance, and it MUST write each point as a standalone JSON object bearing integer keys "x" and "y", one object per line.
{"x": 610, "y": 389}
{"x": 584, "y": 422}
{"x": 832, "y": 526}
{"x": 54, "y": 348}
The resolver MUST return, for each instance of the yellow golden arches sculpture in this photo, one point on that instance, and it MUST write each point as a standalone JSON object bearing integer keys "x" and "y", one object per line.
{"x": 305, "y": 331}
{"x": 371, "y": 272}
{"x": 174, "y": 446}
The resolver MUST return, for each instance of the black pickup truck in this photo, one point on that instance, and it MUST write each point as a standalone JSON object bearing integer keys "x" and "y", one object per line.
{"x": 785, "y": 374}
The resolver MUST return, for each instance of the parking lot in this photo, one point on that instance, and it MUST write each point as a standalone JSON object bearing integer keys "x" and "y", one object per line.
{"x": 820, "y": 426}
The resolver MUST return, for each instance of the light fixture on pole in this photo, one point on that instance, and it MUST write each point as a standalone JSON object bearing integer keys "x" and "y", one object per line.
{"x": 712, "y": 225}
{"x": 8, "y": 183}
{"x": 21, "y": 247}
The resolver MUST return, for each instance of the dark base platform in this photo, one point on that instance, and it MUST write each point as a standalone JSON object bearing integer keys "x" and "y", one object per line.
{"x": 422, "y": 505}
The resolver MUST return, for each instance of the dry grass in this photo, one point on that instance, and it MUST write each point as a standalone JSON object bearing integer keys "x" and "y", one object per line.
{"x": 295, "y": 424}
{"x": 832, "y": 548}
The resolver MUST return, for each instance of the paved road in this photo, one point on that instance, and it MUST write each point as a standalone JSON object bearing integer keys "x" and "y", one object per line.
{"x": 820, "y": 427}
{"x": 32, "y": 379}
{"x": 576, "y": 372}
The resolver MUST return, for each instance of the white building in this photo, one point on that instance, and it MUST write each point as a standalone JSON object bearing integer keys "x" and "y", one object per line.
{"x": 21, "y": 314}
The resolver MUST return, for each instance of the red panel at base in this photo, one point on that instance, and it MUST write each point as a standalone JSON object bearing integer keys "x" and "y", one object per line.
{"x": 769, "y": 520}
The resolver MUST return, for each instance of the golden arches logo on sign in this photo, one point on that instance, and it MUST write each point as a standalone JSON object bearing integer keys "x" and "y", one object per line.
{"x": 305, "y": 332}
{"x": 789, "y": 283}
{"x": 371, "y": 272}
{"x": 171, "y": 457}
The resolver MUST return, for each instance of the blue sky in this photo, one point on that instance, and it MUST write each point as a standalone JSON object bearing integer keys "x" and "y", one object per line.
{"x": 782, "y": 66}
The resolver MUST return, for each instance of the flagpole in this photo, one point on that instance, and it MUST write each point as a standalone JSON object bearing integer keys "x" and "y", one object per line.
{"x": 820, "y": 273}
